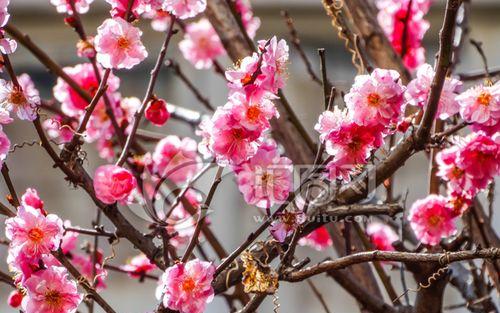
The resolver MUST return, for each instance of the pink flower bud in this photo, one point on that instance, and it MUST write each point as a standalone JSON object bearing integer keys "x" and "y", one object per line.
{"x": 15, "y": 299}
{"x": 113, "y": 183}
{"x": 157, "y": 112}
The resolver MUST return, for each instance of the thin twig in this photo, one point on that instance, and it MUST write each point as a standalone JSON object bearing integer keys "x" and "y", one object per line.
{"x": 203, "y": 214}
{"x": 98, "y": 232}
{"x": 120, "y": 270}
{"x": 149, "y": 93}
{"x": 318, "y": 295}
{"x": 177, "y": 69}
{"x": 295, "y": 40}
{"x": 479, "y": 47}
{"x": 10, "y": 185}
{"x": 392, "y": 256}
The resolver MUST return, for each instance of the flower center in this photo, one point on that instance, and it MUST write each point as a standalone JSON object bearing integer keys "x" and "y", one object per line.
{"x": 203, "y": 42}
{"x": 247, "y": 79}
{"x": 237, "y": 133}
{"x": 373, "y": 99}
{"x": 35, "y": 235}
{"x": 253, "y": 113}
{"x": 457, "y": 172}
{"x": 53, "y": 298}
{"x": 17, "y": 97}
{"x": 188, "y": 284}
{"x": 266, "y": 178}
{"x": 484, "y": 98}
{"x": 434, "y": 220}
{"x": 355, "y": 144}
{"x": 288, "y": 218}
{"x": 457, "y": 205}
{"x": 123, "y": 42}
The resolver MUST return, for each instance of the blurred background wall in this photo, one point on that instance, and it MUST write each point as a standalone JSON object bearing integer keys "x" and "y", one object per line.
{"x": 233, "y": 220}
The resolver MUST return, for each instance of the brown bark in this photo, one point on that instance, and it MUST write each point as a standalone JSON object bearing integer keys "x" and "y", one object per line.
{"x": 376, "y": 43}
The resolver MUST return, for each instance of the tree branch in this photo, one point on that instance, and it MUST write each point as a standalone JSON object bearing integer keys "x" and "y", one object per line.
{"x": 149, "y": 93}
{"x": 391, "y": 256}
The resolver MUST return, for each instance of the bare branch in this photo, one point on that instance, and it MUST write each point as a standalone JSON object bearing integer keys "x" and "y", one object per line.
{"x": 391, "y": 256}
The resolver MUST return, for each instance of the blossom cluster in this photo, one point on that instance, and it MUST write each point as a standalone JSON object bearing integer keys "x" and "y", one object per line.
{"x": 236, "y": 130}
{"x": 375, "y": 104}
{"x": 404, "y": 24}
{"x": 201, "y": 44}
{"x": 468, "y": 166}
{"x": 7, "y": 45}
{"x": 236, "y": 134}
{"x": 44, "y": 283}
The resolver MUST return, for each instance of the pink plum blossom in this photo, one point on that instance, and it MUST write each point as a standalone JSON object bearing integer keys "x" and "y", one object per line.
{"x": 175, "y": 158}
{"x": 60, "y": 128}
{"x": 63, "y": 6}
{"x": 318, "y": 239}
{"x": 83, "y": 264}
{"x": 85, "y": 48}
{"x": 458, "y": 202}
{"x": 83, "y": 74}
{"x": 201, "y": 44}
{"x": 230, "y": 141}
{"x": 480, "y": 156}
{"x": 187, "y": 287}
{"x": 470, "y": 164}
{"x": 118, "y": 44}
{"x": 404, "y": 29}
{"x": 7, "y": 46}
{"x": 33, "y": 233}
{"x": 31, "y": 198}
{"x": 184, "y": 8}
{"x": 5, "y": 117}
{"x": 119, "y": 7}
{"x": 100, "y": 127}
{"x": 4, "y": 13}
{"x": 480, "y": 106}
{"x": 250, "y": 22}
{"x": 51, "y": 291}
{"x": 138, "y": 266}
{"x": 245, "y": 72}
{"x": 274, "y": 63}
{"x": 160, "y": 20}
{"x": 377, "y": 98}
{"x": 381, "y": 236}
{"x": 266, "y": 178}
{"x": 450, "y": 171}
{"x": 431, "y": 219}
{"x": 354, "y": 142}
{"x": 253, "y": 110}
{"x": 340, "y": 168}
{"x": 330, "y": 121}
{"x": 418, "y": 92}
{"x": 266, "y": 72}
{"x": 157, "y": 112}
{"x": 24, "y": 265}
{"x": 23, "y": 100}
{"x": 113, "y": 183}
{"x": 286, "y": 223}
